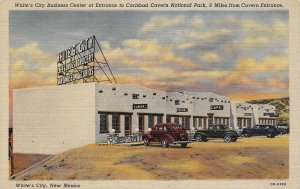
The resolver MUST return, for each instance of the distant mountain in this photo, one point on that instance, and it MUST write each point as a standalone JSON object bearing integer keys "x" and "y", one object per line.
{"x": 282, "y": 108}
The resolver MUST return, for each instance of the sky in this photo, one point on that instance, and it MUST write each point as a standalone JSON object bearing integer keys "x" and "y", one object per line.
{"x": 239, "y": 54}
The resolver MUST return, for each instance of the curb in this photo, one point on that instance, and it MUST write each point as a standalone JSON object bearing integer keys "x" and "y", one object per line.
{"x": 16, "y": 176}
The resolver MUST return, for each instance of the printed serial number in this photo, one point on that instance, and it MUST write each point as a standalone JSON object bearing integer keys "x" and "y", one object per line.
{"x": 278, "y": 184}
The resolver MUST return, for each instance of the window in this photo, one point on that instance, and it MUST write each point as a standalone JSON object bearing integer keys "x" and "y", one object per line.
{"x": 200, "y": 125}
{"x": 211, "y": 99}
{"x": 150, "y": 121}
{"x": 186, "y": 122}
{"x": 127, "y": 124}
{"x": 177, "y": 102}
{"x": 239, "y": 122}
{"x": 135, "y": 96}
{"x": 176, "y": 120}
{"x": 103, "y": 123}
{"x": 168, "y": 119}
{"x": 159, "y": 119}
{"x": 248, "y": 123}
{"x": 195, "y": 123}
{"x": 204, "y": 123}
{"x": 116, "y": 122}
{"x": 141, "y": 123}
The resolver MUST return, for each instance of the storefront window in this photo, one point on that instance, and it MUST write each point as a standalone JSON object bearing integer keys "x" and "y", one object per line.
{"x": 239, "y": 122}
{"x": 116, "y": 122}
{"x": 168, "y": 119}
{"x": 150, "y": 121}
{"x": 159, "y": 119}
{"x": 141, "y": 123}
{"x": 103, "y": 123}
{"x": 176, "y": 120}
{"x": 186, "y": 122}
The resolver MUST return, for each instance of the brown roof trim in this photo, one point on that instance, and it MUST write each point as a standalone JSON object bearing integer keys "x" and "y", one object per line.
{"x": 116, "y": 112}
{"x": 175, "y": 115}
{"x": 144, "y": 113}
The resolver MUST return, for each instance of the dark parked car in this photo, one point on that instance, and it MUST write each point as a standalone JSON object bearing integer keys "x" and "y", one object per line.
{"x": 216, "y": 131}
{"x": 261, "y": 130}
{"x": 283, "y": 129}
{"x": 165, "y": 134}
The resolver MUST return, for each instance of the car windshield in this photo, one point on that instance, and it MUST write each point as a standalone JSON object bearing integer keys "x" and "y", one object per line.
{"x": 177, "y": 127}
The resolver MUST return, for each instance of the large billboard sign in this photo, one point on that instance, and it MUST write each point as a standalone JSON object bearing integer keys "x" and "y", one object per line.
{"x": 79, "y": 63}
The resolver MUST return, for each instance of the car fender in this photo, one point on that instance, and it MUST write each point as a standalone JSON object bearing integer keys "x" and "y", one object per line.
{"x": 169, "y": 138}
{"x": 148, "y": 135}
{"x": 201, "y": 133}
{"x": 229, "y": 133}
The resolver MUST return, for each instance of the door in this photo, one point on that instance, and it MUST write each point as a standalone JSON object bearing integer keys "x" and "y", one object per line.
{"x": 127, "y": 124}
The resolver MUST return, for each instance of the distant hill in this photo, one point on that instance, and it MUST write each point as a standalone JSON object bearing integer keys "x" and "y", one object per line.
{"x": 282, "y": 108}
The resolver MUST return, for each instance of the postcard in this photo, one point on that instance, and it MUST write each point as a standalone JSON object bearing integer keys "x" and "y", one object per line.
{"x": 149, "y": 94}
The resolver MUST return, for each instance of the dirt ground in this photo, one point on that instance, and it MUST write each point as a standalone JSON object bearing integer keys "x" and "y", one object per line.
{"x": 23, "y": 161}
{"x": 248, "y": 158}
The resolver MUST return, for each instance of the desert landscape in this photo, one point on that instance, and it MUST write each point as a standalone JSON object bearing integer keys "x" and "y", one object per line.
{"x": 248, "y": 158}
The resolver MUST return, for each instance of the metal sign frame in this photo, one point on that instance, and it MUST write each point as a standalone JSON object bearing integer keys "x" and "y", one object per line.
{"x": 79, "y": 63}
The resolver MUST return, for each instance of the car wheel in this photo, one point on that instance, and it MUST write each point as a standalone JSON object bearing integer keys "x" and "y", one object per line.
{"x": 184, "y": 145}
{"x": 164, "y": 143}
{"x": 234, "y": 139}
{"x": 270, "y": 135}
{"x": 146, "y": 141}
{"x": 227, "y": 138}
{"x": 199, "y": 138}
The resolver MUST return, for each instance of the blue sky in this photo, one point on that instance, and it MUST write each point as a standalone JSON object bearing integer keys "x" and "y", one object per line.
{"x": 241, "y": 54}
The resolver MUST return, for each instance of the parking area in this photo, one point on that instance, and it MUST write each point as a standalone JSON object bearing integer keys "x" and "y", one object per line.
{"x": 248, "y": 158}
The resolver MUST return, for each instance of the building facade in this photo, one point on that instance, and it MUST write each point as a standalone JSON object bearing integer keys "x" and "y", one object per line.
{"x": 49, "y": 120}
{"x": 179, "y": 109}
{"x": 209, "y": 108}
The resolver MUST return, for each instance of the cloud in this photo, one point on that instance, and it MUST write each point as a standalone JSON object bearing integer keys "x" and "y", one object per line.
{"x": 197, "y": 22}
{"x": 149, "y": 53}
{"x": 161, "y": 22}
{"x": 185, "y": 45}
{"x": 268, "y": 63}
{"x": 210, "y": 57}
{"x": 255, "y": 42}
{"x": 31, "y": 67}
{"x": 275, "y": 29}
{"x": 210, "y": 34}
{"x": 247, "y": 71}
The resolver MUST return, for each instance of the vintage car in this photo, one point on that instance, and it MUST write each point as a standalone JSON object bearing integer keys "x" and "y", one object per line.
{"x": 216, "y": 131}
{"x": 283, "y": 129}
{"x": 165, "y": 134}
{"x": 261, "y": 130}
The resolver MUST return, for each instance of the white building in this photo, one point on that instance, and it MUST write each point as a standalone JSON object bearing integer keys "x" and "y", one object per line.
{"x": 242, "y": 115}
{"x": 179, "y": 109}
{"x": 245, "y": 115}
{"x": 264, "y": 114}
{"x": 209, "y": 108}
{"x": 49, "y": 120}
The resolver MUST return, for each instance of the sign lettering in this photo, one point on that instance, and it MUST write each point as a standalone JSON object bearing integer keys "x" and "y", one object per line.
{"x": 182, "y": 110}
{"x": 216, "y": 107}
{"x": 139, "y": 106}
{"x": 76, "y": 62}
